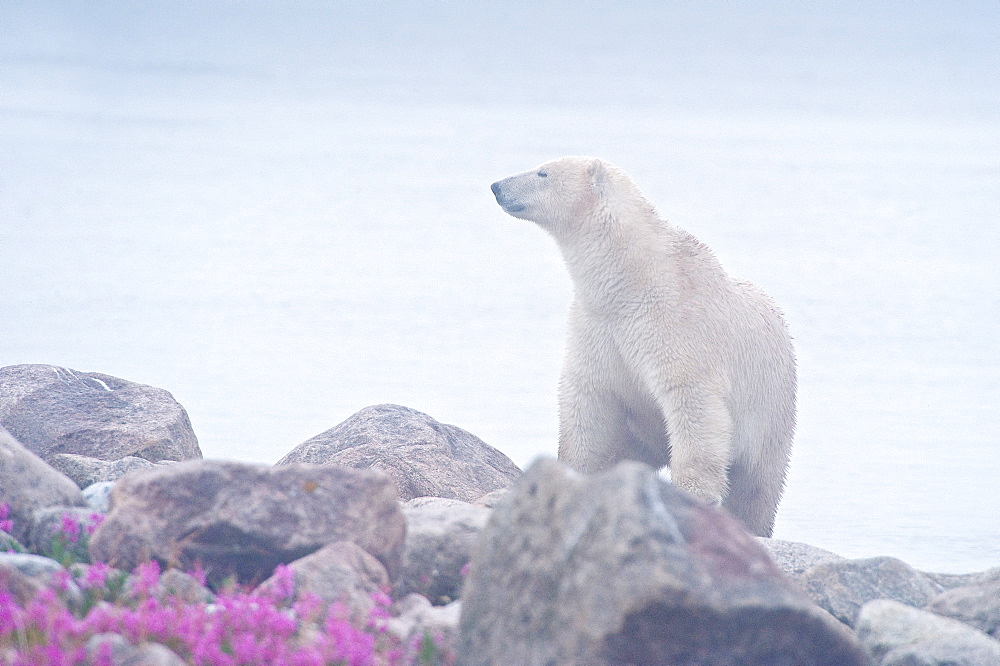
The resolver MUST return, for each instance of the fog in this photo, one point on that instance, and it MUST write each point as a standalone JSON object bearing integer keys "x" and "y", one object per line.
{"x": 280, "y": 212}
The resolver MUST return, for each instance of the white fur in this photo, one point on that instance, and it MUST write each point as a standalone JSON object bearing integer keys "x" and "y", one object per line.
{"x": 669, "y": 360}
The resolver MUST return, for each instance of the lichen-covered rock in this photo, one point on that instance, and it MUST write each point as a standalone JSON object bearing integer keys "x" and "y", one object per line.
{"x": 842, "y": 587}
{"x": 623, "y": 568}
{"x": 898, "y": 635}
{"x": 414, "y": 621}
{"x": 174, "y": 586}
{"x": 28, "y": 484}
{"x": 440, "y": 537}
{"x": 20, "y": 585}
{"x": 492, "y": 499}
{"x": 63, "y": 532}
{"x": 86, "y": 471}
{"x": 8, "y": 544}
{"x": 975, "y": 605}
{"x": 948, "y": 581}
{"x": 244, "y": 519}
{"x": 31, "y": 565}
{"x": 795, "y": 558}
{"x": 53, "y": 410}
{"x": 98, "y": 496}
{"x": 25, "y": 574}
{"x": 424, "y": 457}
{"x": 340, "y": 572}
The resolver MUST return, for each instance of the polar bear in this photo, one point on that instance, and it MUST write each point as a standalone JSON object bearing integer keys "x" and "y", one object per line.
{"x": 669, "y": 360}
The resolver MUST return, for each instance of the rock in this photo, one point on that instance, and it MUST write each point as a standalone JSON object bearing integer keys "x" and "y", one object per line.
{"x": 28, "y": 484}
{"x": 63, "y": 533}
{"x": 795, "y": 558}
{"x": 975, "y": 605}
{"x": 842, "y": 587}
{"x": 623, "y": 568}
{"x": 424, "y": 457}
{"x": 34, "y": 566}
{"x": 98, "y": 496}
{"x": 53, "y": 410}
{"x": 896, "y": 634}
{"x": 244, "y": 519}
{"x": 340, "y": 572}
{"x": 18, "y": 584}
{"x": 8, "y": 544}
{"x": 180, "y": 586}
{"x": 26, "y": 574}
{"x": 86, "y": 471}
{"x": 415, "y": 621}
{"x": 493, "y": 499}
{"x": 113, "y": 649}
{"x": 440, "y": 536}
{"x": 949, "y": 581}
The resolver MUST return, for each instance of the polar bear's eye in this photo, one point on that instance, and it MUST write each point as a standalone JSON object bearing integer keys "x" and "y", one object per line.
{"x": 543, "y": 174}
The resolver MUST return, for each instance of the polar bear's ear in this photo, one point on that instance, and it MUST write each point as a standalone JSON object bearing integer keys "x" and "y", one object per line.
{"x": 598, "y": 176}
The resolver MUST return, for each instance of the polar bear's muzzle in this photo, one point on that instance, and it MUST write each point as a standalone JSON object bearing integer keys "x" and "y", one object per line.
{"x": 508, "y": 203}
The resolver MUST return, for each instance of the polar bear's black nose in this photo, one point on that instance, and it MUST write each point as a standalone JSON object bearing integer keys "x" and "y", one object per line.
{"x": 496, "y": 188}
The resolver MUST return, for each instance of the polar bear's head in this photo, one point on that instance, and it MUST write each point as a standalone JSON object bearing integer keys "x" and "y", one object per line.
{"x": 563, "y": 195}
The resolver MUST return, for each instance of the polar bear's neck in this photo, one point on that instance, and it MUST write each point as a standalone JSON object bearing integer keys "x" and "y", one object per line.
{"x": 618, "y": 260}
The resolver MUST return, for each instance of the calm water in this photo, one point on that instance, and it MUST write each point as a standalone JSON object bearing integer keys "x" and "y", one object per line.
{"x": 283, "y": 215}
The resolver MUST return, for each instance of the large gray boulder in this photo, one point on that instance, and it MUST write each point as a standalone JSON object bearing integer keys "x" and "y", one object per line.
{"x": 623, "y": 568}
{"x": 842, "y": 587}
{"x": 53, "y": 410}
{"x": 897, "y": 635}
{"x": 245, "y": 519}
{"x": 28, "y": 484}
{"x": 426, "y": 458}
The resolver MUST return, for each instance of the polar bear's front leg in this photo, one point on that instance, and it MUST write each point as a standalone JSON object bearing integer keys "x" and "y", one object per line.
{"x": 593, "y": 435}
{"x": 593, "y": 430}
{"x": 700, "y": 430}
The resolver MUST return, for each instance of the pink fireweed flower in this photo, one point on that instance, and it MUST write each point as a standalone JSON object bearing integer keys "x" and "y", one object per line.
{"x": 284, "y": 588}
{"x": 379, "y": 614}
{"x": 10, "y": 614}
{"x": 308, "y": 606}
{"x": 147, "y": 576}
{"x": 238, "y": 628}
{"x": 69, "y": 528}
{"x": 96, "y": 576}
{"x": 347, "y": 642}
{"x": 93, "y": 522}
{"x": 6, "y": 524}
{"x": 62, "y": 580}
{"x": 198, "y": 573}
{"x": 103, "y": 656}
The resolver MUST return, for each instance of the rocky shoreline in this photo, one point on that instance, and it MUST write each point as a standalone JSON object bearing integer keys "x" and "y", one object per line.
{"x": 499, "y": 567}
